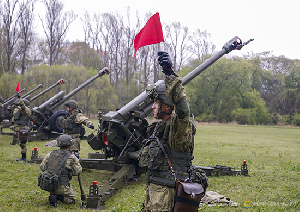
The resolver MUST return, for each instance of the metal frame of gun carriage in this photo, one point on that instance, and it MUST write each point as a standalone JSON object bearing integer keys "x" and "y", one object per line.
{"x": 121, "y": 132}
{"x": 46, "y": 122}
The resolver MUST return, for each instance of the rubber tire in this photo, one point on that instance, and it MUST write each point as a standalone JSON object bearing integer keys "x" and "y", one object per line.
{"x": 54, "y": 118}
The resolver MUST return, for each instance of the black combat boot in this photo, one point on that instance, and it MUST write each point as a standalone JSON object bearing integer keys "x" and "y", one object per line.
{"x": 23, "y": 158}
{"x": 53, "y": 200}
{"x": 60, "y": 198}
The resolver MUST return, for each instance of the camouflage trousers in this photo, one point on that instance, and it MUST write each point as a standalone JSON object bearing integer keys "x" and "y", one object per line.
{"x": 76, "y": 146}
{"x": 23, "y": 147}
{"x": 67, "y": 192}
{"x": 22, "y": 144}
{"x": 158, "y": 198}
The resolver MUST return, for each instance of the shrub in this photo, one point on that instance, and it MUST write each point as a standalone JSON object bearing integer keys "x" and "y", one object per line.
{"x": 296, "y": 120}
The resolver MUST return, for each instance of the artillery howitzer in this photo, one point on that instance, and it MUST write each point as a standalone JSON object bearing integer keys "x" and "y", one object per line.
{"x": 8, "y": 109}
{"x": 45, "y": 121}
{"x": 7, "y": 123}
{"x": 121, "y": 133}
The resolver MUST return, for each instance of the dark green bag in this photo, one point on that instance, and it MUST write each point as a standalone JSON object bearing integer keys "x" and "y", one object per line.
{"x": 48, "y": 181}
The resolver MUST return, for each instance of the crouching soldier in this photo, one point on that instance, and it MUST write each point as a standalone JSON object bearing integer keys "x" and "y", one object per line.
{"x": 59, "y": 166}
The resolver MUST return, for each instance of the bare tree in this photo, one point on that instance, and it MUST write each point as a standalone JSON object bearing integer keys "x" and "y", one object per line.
{"x": 10, "y": 17}
{"x": 56, "y": 25}
{"x": 2, "y": 48}
{"x": 87, "y": 29}
{"x": 201, "y": 46}
{"x": 177, "y": 35}
{"x": 129, "y": 35}
{"x": 26, "y": 29}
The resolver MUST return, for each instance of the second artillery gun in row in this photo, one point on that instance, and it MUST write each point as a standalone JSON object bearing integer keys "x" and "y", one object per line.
{"x": 46, "y": 121}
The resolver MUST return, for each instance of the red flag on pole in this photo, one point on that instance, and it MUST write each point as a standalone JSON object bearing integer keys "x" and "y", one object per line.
{"x": 150, "y": 34}
{"x": 18, "y": 88}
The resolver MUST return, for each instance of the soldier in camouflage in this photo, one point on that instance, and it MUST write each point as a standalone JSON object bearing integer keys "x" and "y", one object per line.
{"x": 72, "y": 124}
{"x": 21, "y": 120}
{"x": 71, "y": 167}
{"x": 175, "y": 129}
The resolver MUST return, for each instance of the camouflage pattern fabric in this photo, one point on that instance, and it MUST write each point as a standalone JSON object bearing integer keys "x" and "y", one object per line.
{"x": 157, "y": 198}
{"x": 76, "y": 146}
{"x": 25, "y": 111}
{"x": 23, "y": 147}
{"x": 52, "y": 143}
{"x": 65, "y": 190}
{"x": 180, "y": 134}
{"x": 213, "y": 199}
{"x": 79, "y": 119}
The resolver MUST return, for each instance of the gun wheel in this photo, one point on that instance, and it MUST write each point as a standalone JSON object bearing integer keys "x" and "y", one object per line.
{"x": 55, "y": 120}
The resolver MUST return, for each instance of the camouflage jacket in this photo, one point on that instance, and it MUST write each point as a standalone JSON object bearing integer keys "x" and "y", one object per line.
{"x": 181, "y": 127}
{"x": 21, "y": 114}
{"x": 176, "y": 135}
{"x": 72, "y": 164}
{"x": 72, "y": 122}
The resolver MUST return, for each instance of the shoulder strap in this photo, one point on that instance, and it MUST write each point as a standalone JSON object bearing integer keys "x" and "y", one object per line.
{"x": 167, "y": 157}
{"x": 64, "y": 159}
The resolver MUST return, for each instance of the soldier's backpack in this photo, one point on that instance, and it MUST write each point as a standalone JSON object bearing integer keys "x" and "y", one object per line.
{"x": 50, "y": 181}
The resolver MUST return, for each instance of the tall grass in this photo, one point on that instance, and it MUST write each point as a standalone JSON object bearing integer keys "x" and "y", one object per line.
{"x": 272, "y": 155}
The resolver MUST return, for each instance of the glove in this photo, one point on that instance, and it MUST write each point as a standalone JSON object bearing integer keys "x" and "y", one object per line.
{"x": 77, "y": 156}
{"x": 165, "y": 62}
{"x": 91, "y": 126}
{"x": 18, "y": 95}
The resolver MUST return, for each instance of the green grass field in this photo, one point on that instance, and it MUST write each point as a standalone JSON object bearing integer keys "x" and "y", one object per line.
{"x": 272, "y": 155}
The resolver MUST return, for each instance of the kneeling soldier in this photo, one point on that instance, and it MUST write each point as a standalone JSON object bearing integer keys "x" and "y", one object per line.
{"x": 64, "y": 164}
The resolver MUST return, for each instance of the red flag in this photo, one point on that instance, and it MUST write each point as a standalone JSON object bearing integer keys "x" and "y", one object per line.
{"x": 150, "y": 34}
{"x": 18, "y": 88}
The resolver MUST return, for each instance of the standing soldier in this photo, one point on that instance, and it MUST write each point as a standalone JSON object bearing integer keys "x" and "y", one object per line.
{"x": 72, "y": 124}
{"x": 175, "y": 130}
{"x": 1, "y": 109}
{"x": 64, "y": 165}
{"x": 21, "y": 123}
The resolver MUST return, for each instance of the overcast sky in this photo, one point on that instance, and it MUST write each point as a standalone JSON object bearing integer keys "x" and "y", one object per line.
{"x": 274, "y": 24}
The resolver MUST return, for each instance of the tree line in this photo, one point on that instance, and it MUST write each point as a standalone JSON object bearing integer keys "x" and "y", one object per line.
{"x": 256, "y": 89}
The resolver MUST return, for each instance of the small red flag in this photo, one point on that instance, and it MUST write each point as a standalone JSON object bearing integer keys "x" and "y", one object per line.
{"x": 18, "y": 88}
{"x": 150, "y": 34}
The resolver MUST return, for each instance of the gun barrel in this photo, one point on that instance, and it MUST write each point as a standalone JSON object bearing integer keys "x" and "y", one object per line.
{"x": 142, "y": 102}
{"x": 8, "y": 99}
{"x": 100, "y": 73}
{"x": 25, "y": 96}
{"x": 234, "y": 43}
{"x": 61, "y": 81}
{"x": 52, "y": 101}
